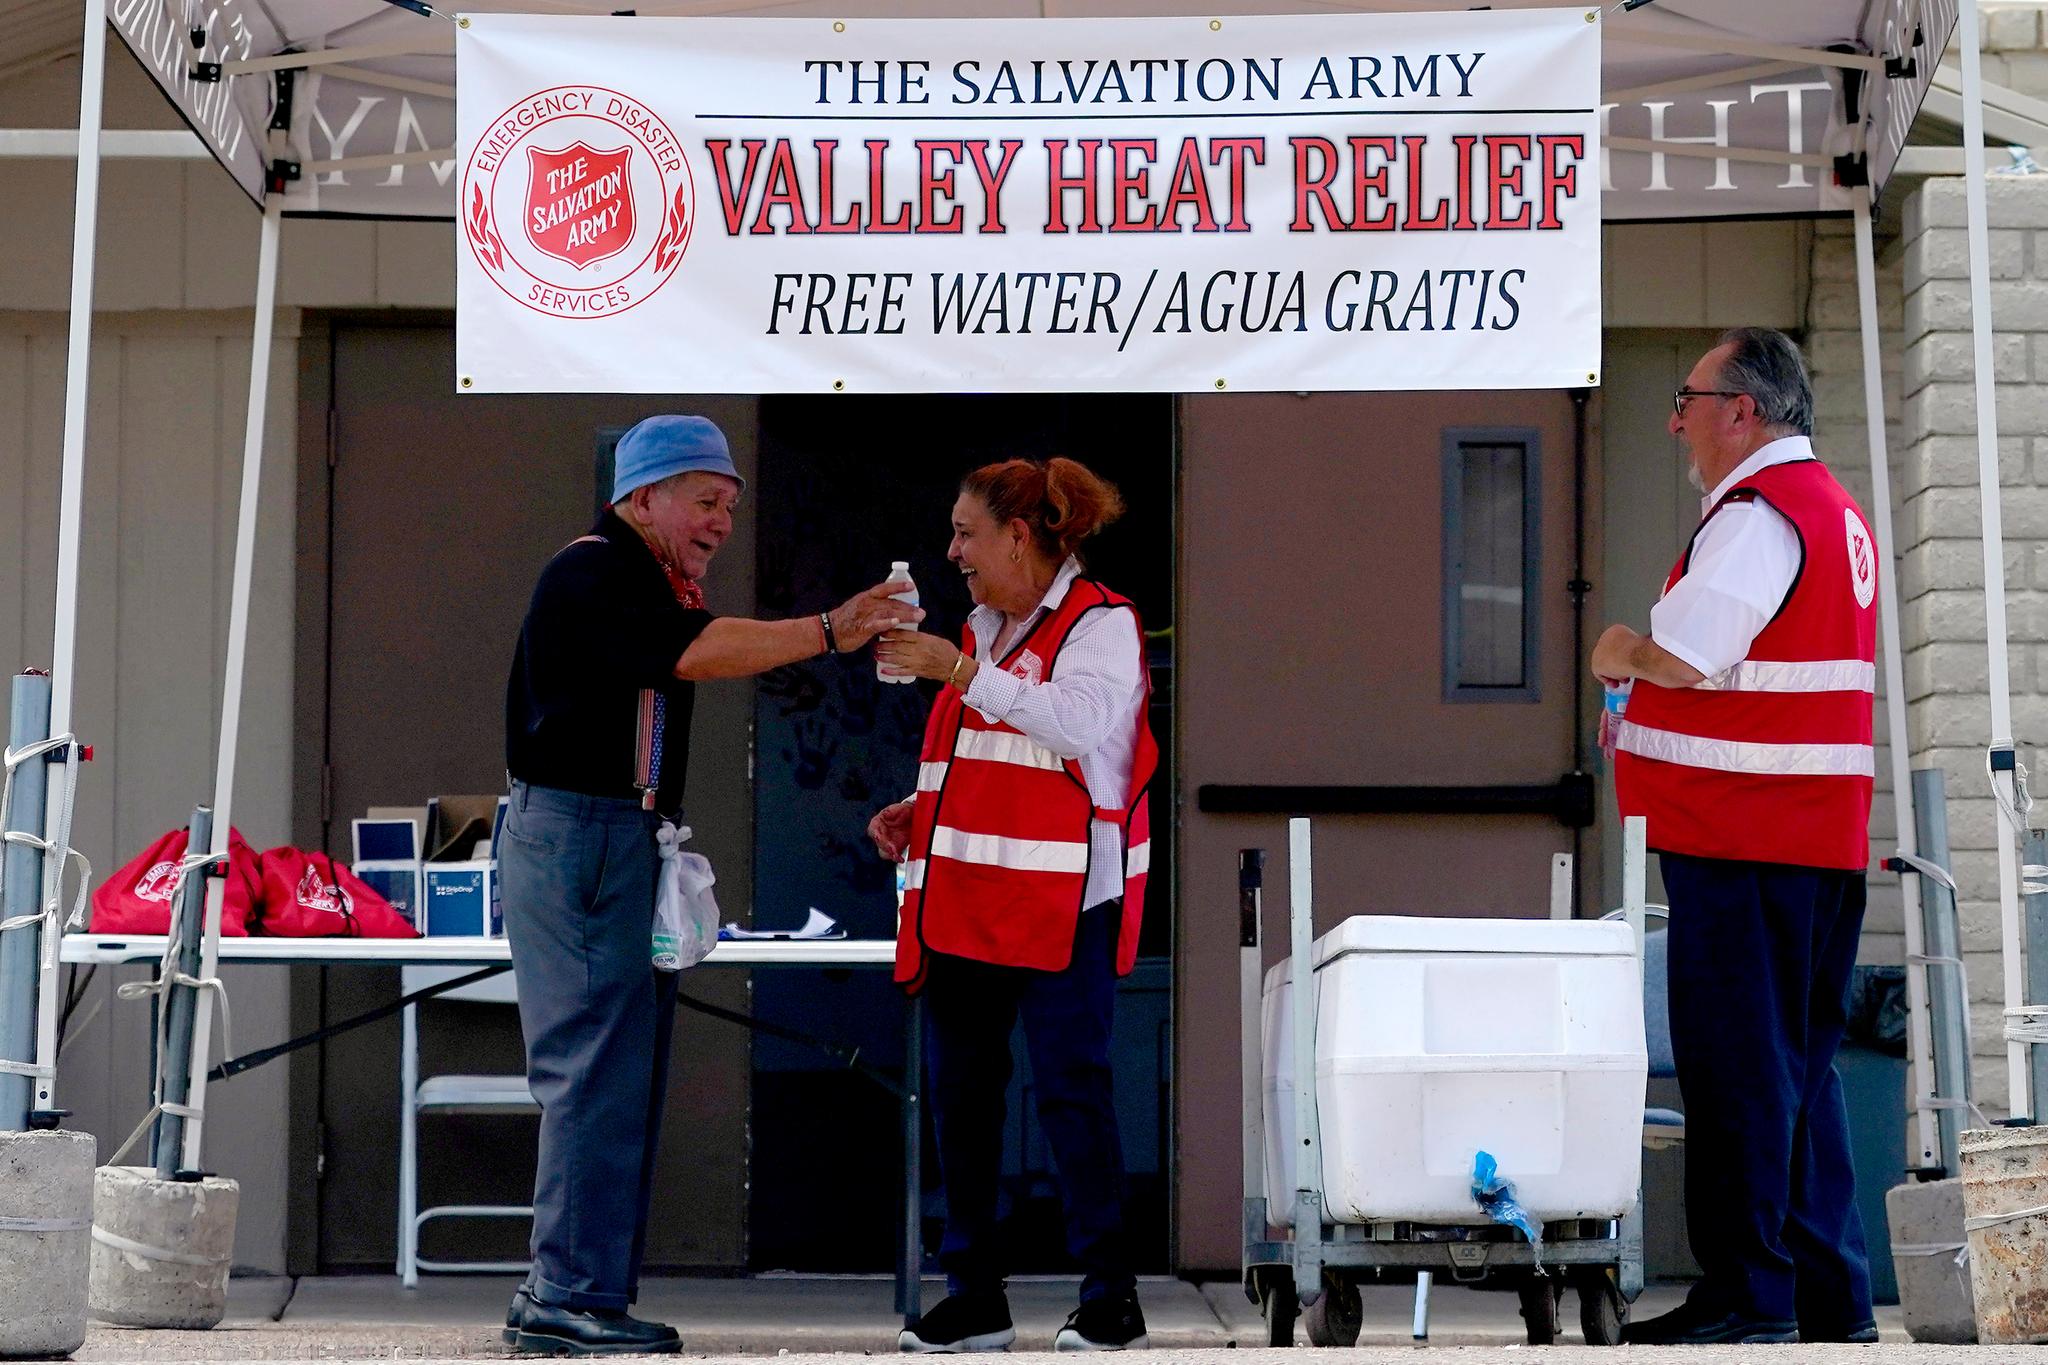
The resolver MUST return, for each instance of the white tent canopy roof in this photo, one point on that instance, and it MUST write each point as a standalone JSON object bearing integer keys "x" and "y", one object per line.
{"x": 1783, "y": 87}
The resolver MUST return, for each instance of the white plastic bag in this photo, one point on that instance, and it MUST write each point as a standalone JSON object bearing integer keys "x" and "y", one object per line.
{"x": 685, "y": 913}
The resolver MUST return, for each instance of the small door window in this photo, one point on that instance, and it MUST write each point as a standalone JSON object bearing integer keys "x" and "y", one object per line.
{"x": 1490, "y": 557}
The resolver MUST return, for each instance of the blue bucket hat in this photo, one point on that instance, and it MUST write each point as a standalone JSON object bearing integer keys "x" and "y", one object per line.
{"x": 660, "y": 446}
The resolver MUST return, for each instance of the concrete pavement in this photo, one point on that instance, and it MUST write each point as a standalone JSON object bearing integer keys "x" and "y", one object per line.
{"x": 365, "y": 1317}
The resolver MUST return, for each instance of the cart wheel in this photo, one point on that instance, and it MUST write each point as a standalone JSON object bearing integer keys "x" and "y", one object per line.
{"x": 1278, "y": 1306}
{"x": 1337, "y": 1315}
{"x": 1539, "y": 1295}
{"x": 1602, "y": 1310}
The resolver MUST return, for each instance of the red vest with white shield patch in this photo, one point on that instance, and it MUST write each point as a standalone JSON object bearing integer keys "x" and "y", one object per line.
{"x": 1771, "y": 760}
{"x": 999, "y": 835}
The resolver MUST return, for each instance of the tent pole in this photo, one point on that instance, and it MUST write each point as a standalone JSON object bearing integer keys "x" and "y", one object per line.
{"x": 1917, "y": 1033}
{"x": 2020, "y": 1101}
{"x": 85, "y": 218}
{"x": 238, "y": 642}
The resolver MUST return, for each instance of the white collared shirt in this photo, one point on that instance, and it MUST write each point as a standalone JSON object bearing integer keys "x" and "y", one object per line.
{"x": 1744, "y": 562}
{"x": 1089, "y": 712}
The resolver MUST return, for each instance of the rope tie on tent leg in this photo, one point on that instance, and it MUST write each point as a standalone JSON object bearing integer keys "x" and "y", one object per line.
{"x": 169, "y": 975}
{"x": 58, "y": 846}
{"x": 2001, "y": 758}
{"x": 2027, "y": 1024}
{"x": 59, "y": 857}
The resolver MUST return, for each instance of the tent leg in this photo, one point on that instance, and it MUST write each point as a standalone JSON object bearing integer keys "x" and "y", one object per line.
{"x": 238, "y": 643}
{"x": 1919, "y": 1046}
{"x": 2020, "y": 1101}
{"x": 85, "y": 219}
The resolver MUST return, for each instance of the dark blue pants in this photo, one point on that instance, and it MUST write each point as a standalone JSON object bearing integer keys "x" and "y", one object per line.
{"x": 972, "y": 1008}
{"x": 1760, "y": 958}
{"x": 579, "y": 876}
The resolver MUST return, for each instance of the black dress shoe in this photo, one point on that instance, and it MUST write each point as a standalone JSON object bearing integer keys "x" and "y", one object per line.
{"x": 1866, "y": 1335}
{"x": 1685, "y": 1326}
{"x": 538, "y": 1328}
{"x": 515, "y": 1312}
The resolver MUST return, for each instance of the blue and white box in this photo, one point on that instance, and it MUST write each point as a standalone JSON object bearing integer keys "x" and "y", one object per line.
{"x": 387, "y": 858}
{"x": 460, "y": 874}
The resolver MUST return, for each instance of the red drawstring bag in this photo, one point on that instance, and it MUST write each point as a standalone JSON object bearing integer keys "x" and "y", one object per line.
{"x": 137, "y": 899}
{"x": 309, "y": 895}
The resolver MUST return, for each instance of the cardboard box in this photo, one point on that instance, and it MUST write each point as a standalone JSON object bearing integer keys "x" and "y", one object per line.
{"x": 460, "y": 873}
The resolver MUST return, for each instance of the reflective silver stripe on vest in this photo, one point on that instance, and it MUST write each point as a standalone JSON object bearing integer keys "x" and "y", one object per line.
{"x": 1016, "y": 855}
{"x": 1742, "y": 756}
{"x": 930, "y": 776}
{"x": 913, "y": 875}
{"x": 1138, "y": 861}
{"x": 1001, "y": 746}
{"x": 1818, "y": 675}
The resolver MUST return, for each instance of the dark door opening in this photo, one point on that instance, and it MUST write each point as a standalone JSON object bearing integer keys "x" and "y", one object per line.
{"x": 846, "y": 486}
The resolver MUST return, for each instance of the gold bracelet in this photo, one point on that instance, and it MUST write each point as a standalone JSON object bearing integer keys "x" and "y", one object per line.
{"x": 952, "y": 677}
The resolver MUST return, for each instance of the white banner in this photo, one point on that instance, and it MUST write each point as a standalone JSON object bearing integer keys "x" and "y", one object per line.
{"x": 767, "y": 206}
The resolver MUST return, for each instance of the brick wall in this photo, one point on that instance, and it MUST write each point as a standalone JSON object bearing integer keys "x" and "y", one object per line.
{"x": 1941, "y": 572}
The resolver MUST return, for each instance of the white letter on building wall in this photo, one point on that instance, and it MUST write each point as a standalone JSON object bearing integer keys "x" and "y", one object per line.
{"x": 409, "y": 130}
{"x": 1795, "y": 123}
{"x": 337, "y": 143}
{"x": 1719, "y": 138}
{"x": 1606, "y": 157}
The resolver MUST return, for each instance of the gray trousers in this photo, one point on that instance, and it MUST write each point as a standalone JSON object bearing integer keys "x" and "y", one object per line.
{"x": 579, "y": 876}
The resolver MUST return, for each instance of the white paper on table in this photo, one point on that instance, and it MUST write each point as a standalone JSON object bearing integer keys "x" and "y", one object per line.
{"x": 817, "y": 924}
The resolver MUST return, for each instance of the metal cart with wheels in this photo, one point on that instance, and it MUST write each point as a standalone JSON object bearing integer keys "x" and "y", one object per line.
{"x": 1313, "y": 1272}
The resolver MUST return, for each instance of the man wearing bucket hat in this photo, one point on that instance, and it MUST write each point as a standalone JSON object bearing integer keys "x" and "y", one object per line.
{"x": 597, "y": 741}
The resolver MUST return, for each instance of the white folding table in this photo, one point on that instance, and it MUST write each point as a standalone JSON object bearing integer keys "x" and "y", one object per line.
{"x": 131, "y": 949}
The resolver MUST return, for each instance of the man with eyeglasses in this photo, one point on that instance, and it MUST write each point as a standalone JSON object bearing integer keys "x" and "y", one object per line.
{"x": 1747, "y": 747}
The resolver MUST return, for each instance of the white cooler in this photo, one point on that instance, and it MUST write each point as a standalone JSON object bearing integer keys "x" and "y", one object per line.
{"x": 1439, "y": 1038}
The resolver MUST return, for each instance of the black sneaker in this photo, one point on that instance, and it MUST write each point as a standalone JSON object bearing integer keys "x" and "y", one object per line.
{"x": 963, "y": 1322}
{"x": 1106, "y": 1324}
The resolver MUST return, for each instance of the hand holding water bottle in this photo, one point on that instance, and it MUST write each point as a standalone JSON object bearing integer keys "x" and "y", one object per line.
{"x": 1614, "y": 705}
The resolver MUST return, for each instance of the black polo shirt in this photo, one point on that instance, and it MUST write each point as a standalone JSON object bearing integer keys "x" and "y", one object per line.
{"x": 603, "y": 624}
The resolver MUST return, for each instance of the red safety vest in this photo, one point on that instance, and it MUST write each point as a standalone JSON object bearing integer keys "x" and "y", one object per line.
{"x": 999, "y": 836}
{"x": 1770, "y": 761}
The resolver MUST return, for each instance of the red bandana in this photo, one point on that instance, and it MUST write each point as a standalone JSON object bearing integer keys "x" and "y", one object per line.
{"x": 687, "y": 590}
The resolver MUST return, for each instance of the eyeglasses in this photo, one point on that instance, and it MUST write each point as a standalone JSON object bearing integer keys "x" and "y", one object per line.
{"x": 1680, "y": 398}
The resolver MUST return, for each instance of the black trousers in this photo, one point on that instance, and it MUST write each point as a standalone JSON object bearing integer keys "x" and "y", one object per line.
{"x": 1760, "y": 955}
{"x": 973, "y": 1007}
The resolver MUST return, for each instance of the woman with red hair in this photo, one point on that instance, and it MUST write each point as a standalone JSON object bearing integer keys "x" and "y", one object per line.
{"x": 1026, "y": 845}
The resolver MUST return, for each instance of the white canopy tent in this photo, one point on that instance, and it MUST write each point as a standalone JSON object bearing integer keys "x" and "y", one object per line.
{"x": 1713, "y": 108}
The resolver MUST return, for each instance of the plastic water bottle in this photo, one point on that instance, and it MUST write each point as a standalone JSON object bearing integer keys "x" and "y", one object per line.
{"x": 899, "y": 572}
{"x": 1613, "y": 707}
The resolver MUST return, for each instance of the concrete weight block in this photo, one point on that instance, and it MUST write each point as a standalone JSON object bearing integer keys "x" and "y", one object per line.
{"x": 1932, "y": 1260}
{"x": 2005, "y": 1215}
{"x": 45, "y": 1221}
{"x": 161, "y": 1248}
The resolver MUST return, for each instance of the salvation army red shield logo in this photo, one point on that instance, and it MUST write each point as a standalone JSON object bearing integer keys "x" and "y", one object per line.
{"x": 317, "y": 893}
{"x": 578, "y": 202}
{"x": 158, "y": 883}
{"x": 1862, "y": 559}
{"x": 579, "y": 206}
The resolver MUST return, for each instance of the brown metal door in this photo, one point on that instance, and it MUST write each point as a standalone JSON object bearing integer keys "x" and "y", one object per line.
{"x": 1317, "y": 629}
{"x": 440, "y": 511}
